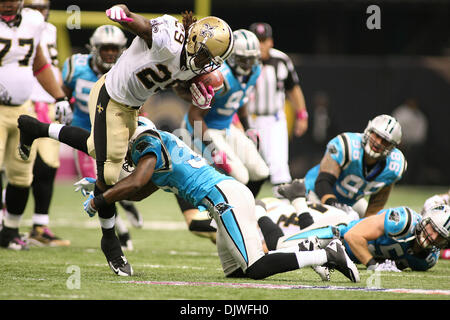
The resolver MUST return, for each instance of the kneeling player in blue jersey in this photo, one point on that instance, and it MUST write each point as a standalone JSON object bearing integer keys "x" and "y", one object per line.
{"x": 356, "y": 165}
{"x": 162, "y": 160}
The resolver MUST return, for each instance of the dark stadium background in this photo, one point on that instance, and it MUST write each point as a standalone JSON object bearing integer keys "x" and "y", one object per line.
{"x": 361, "y": 72}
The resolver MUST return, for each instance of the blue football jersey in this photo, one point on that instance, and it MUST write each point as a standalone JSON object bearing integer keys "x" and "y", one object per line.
{"x": 397, "y": 242}
{"x": 353, "y": 183}
{"x": 233, "y": 96}
{"x": 80, "y": 78}
{"x": 178, "y": 169}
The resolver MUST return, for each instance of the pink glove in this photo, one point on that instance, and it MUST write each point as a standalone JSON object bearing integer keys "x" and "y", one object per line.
{"x": 200, "y": 96}
{"x": 41, "y": 109}
{"x": 220, "y": 161}
{"x": 117, "y": 14}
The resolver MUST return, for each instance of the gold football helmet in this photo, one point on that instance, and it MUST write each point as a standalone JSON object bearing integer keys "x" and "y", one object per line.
{"x": 36, "y": 3}
{"x": 209, "y": 43}
{"x": 43, "y": 6}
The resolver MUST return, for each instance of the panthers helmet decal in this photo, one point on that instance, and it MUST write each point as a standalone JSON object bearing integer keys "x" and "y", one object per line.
{"x": 209, "y": 43}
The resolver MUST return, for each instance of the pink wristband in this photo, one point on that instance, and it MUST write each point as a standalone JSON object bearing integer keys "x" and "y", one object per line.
{"x": 303, "y": 114}
{"x": 41, "y": 69}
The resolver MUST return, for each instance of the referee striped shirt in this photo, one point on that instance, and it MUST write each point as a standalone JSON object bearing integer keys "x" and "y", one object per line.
{"x": 277, "y": 75}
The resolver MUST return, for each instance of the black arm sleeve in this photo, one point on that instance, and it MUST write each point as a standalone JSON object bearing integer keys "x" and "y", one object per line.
{"x": 324, "y": 184}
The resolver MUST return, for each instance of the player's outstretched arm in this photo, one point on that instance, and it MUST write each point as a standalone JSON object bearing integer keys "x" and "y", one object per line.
{"x": 357, "y": 237}
{"x": 129, "y": 187}
{"x": 133, "y": 22}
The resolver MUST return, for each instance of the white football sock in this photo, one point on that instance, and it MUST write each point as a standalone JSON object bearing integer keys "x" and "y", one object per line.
{"x": 54, "y": 129}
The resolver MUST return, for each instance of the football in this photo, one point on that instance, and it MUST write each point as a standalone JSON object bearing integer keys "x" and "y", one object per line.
{"x": 214, "y": 79}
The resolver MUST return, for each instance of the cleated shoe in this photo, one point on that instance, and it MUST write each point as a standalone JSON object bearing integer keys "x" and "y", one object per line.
{"x": 41, "y": 236}
{"x": 116, "y": 260}
{"x": 133, "y": 214}
{"x": 310, "y": 244}
{"x": 10, "y": 239}
{"x": 120, "y": 266}
{"x": 17, "y": 244}
{"x": 29, "y": 131}
{"x": 293, "y": 190}
{"x": 339, "y": 260}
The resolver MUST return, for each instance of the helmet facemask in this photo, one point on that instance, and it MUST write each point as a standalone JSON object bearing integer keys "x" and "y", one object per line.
{"x": 425, "y": 239}
{"x": 202, "y": 60}
{"x": 433, "y": 231}
{"x": 382, "y": 150}
{"x": 100, "y": 61}
{"x": 243, "y": 64}
{"x": 386, "y": 128}
{"x": 246, "y": 52}
{"x": 208, "y": 44}
{"x": 108, "y": 38}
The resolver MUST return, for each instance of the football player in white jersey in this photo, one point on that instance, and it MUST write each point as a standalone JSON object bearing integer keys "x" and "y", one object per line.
{"x": 21, "y": 58}
{"x": 80, "y": 73}
{"x": 47, "y": 157}
{"x": 163, "y": 53}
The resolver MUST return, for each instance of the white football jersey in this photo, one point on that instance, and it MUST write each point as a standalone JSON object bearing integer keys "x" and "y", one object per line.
{"x": 17, "y": 51}
{"x": 285, "y": 214}
{"x": 48, "y": 45}
{"x": 140, "y": 71}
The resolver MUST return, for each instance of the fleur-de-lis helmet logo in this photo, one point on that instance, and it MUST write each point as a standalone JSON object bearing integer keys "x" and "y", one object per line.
{"x": 207, "y": 31}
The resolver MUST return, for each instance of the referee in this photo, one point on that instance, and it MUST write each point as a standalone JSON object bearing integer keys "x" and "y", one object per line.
{"x": 278, "y": 78}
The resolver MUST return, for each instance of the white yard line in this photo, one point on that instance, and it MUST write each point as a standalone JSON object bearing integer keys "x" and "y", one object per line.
{"x": 278, "y": 286}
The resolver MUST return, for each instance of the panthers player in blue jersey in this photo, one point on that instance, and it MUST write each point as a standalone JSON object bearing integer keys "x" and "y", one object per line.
{"x": 223, "y": 144}
{"x": 161, "y": 160}
{"x": 396, "y": 234}
{"x": 80, "y": 73}
{"x": 356, "y": 165}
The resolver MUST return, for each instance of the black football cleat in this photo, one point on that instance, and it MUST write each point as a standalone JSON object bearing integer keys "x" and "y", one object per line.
{"x": 339, "y": 260}
{"x": 120, "y": 266}
{"x": 30, "y": 129}
{"x": 116, "y": 260}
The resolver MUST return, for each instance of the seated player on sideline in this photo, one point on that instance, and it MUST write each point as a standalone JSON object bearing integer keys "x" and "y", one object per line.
{"x": 161, "y": 160}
